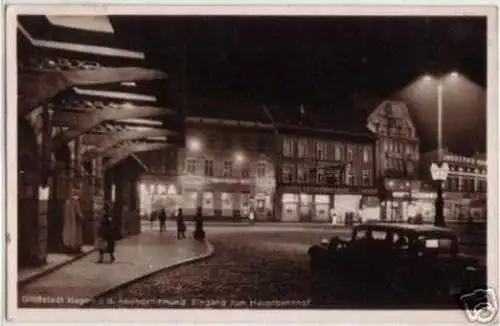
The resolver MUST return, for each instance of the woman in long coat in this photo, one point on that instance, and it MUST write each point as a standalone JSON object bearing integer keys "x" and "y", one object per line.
{"x": 73, "y": 224}
{"x": 181, "y": 225}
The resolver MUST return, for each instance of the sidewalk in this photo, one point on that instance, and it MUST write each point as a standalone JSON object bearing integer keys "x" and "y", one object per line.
{"x": 82, "y": 280}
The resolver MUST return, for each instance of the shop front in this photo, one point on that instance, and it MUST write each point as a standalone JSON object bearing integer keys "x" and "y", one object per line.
{"x": 290, "y": 210}
{"x": 158, "y": 193}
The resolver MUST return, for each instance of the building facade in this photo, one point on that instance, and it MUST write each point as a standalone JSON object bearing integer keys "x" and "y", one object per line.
{"x": 227, "y": 169}
{"x": 321, "y": 169}
{"x": 466, "y": 185}
{"x": 397, "y": 159}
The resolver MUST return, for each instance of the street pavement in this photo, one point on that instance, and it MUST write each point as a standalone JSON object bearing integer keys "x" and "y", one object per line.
{"x": 81, "y": 281}
{"x": 253, "y": 267}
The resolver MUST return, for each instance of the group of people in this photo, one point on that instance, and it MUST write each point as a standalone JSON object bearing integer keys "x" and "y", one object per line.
{"x": 162, "y": 216}
{"x": 73, "y": 230}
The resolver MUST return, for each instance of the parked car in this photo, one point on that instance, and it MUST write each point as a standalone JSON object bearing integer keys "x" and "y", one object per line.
{"x": 399, "y": 262}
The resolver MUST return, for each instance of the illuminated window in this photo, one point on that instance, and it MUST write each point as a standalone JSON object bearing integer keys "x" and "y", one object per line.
{"x": 209, "y": 168}
{"x": 228, "y": 169}
{"x": 191, "y": 166}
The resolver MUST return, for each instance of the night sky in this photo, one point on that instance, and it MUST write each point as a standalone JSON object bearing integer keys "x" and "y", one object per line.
{"x": 320, "y": 62}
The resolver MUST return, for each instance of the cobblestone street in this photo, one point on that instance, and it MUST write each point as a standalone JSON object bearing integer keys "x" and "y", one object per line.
{"x": 249, "y": 269}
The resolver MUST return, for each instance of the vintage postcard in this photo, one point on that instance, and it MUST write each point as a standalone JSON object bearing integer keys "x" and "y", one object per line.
{"x": 271, "y": 163}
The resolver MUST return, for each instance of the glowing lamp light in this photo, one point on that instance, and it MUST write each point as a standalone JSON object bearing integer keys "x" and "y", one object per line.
{"x": 194, "y": 145}
{"x": 454, "y": 74}
{"x": 439, "y": 173}
{"x": 239, "y": 157}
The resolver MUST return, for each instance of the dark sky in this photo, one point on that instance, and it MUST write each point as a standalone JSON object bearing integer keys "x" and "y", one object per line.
{"x": 316, "y": 61}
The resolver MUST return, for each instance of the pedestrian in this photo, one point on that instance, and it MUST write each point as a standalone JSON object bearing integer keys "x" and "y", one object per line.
{"x": 199, "y": 233}
{"x": 107, "y": 236}
{"x": 153, "y": 218}
{"x": 333, "y": 217}
{"x": 251, "y": 216}
{"x": 181, "y": 226}
{"x": 73, "y": 225}
{"x": 162, "y": 216}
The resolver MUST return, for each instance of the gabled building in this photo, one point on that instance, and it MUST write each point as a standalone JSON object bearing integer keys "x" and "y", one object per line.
{"x": 397, "y": 159}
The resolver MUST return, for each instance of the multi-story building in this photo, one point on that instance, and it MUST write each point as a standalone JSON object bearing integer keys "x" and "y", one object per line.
{"x": 466, "y": 185}
{"x": 226, "y": 168}
{"x": 323, "y": 169}
{"x": 397, "y": 157}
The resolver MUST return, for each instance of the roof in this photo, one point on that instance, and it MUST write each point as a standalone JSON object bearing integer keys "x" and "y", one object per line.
{"x": 300, "y": 118}
{"x": 410, "y": 227}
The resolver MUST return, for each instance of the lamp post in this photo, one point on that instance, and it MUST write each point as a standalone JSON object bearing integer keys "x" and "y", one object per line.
{"x": 439, "y": 170}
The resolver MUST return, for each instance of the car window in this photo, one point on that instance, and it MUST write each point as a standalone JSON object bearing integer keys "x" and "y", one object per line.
{"x": 361, "y": 234}
{"x": 433, "y": 243}
{"x": 400, "y": 241}
{"x": 379, "y": 235}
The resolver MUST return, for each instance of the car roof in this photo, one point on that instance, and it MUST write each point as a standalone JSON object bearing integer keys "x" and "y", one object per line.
{"x": 418, "y": 228}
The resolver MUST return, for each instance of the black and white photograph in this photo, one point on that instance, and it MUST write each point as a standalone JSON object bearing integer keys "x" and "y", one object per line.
{"x": 253, "y": 160}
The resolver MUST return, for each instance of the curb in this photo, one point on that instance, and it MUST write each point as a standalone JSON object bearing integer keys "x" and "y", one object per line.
{"x": 209, "y": 253}
{"x": 54, "y": 268}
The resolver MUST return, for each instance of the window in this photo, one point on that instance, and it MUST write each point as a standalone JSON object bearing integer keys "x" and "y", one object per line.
{"x": 191, "y": 166}
{"x": 228, "y": 169}
{"x": 361, "y": 234}
{"x": 338, "y": 177}
{"x": 321, "y": 150}
{"x": 245, "y": 171}
{"x": 287, "y": 147}
{"x": 209, "y": 168}
{"x": 482, "y": 186}
{"x": 379, "y": 235}
{"x": 350, "y": 154}
{"x": 302, "y": 147}
{"x": 367, "y": 153}
{"x": 261, "y": 170}
{"x": 320, "y": 176}
{"x": 302, "y": 174}
{"x": 338, "y": 152}
{"x": 351, "y": 179}
{"x": 287, "y": 173}
{"x": 366, "y": 178}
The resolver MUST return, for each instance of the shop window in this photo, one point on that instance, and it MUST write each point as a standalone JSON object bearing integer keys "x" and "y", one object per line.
{"x": 302, "y": 147}
{"x": 209, "y": 168}
{"x": 191, "y": 166}
{"x": 228, "y": 169}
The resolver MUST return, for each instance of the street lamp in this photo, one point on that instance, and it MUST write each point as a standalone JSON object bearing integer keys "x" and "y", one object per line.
{"x": 194, "y": 145}
{"x": 439, "y": 170}
{"x": 239, "y": 157}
